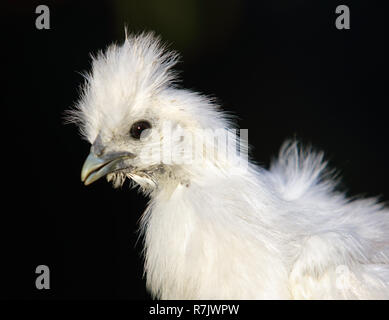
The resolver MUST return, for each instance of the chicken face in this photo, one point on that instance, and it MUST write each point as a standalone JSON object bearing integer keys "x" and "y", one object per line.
{"x": 138, "y": 121}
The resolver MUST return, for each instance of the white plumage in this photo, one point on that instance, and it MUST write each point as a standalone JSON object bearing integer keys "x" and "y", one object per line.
{"x": 215, "y": 229}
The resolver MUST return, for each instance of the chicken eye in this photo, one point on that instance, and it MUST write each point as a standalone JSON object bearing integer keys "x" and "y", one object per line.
{"x": 138, "y": 128}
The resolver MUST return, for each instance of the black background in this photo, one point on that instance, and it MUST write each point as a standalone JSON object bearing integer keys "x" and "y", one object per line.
{"x": 281, "y": 66}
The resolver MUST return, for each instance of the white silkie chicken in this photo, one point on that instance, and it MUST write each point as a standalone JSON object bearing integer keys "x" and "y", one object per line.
{"x": 217, "y": 229}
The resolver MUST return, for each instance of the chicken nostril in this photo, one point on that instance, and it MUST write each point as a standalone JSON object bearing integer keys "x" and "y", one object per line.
{"x": 98, "y": 147}
{"x": 98, "y": 151}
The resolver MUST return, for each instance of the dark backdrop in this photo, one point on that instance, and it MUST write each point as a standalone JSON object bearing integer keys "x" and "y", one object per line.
{"x": 282, "y": 66}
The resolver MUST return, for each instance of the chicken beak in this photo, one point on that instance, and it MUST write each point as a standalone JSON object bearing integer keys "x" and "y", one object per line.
{"x": 96, "y": 167}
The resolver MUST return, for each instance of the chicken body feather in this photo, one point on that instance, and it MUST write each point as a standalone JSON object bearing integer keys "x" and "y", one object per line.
{"x": 256, "y": 234}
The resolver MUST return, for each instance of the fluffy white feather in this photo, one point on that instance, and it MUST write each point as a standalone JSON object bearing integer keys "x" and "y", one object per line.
{"x": 217, "y": 230}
